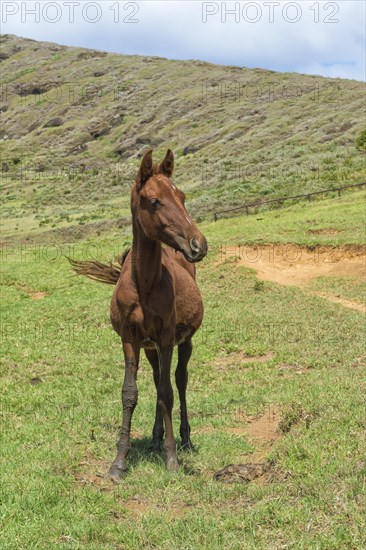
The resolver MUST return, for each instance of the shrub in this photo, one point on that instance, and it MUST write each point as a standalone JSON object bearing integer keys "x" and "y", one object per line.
{"x": 361, "y": 141}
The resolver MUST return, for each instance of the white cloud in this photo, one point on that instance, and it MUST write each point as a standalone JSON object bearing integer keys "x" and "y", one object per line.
{"x": 327, "y": 39}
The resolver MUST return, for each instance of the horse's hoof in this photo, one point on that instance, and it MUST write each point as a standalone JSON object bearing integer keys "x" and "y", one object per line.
{"x": 117, "y": 472}
{"x": 155, "y": 447}
{"x": 187, "y": 446}
{"x": 172, "y": 464}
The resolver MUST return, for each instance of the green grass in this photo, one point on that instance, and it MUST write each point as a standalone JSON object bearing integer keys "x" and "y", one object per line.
{"x": 351, "y": 288}
{"x": 58, "y": 435}
{"x": 332, "y": 221}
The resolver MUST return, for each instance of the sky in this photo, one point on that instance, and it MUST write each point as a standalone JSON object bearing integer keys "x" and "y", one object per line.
{"x": 307, "y": 36}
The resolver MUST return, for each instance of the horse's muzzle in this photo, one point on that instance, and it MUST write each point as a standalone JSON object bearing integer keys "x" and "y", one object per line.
{"x": 197, "y": 249}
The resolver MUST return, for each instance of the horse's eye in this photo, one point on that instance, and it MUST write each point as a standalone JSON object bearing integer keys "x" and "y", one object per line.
{"x": 155, "y": 202}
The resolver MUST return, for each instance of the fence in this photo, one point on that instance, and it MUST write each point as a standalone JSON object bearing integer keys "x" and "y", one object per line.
{"x": 282, "y": 199}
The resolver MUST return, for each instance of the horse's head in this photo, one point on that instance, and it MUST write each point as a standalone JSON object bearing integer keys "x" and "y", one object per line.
{"x": 158, "y": 208}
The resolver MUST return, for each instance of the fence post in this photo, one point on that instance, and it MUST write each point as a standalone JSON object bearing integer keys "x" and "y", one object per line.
{"x": 215, "y": 217}
{"x": 339, "y": 192}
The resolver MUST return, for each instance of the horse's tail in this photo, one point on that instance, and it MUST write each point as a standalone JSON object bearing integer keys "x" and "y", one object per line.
{"x": 104, "y": 273}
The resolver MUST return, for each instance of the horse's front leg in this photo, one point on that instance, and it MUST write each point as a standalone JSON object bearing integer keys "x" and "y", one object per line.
{"x": 129, "y": 401}
{"x": 165, "y": 400}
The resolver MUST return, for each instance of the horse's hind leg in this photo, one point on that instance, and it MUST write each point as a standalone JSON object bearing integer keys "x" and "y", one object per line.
{"x": 181, "y": 379}
{"x": 158, "y": 429}
{"x": 166, "y": 399}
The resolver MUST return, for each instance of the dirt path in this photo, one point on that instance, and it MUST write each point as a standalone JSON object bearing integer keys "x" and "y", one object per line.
{"x": 341, "y": 301}
{"x": 292, "y": 265}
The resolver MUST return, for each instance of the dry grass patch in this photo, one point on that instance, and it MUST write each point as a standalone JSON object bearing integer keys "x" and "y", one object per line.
{"x": 237, "y": 359}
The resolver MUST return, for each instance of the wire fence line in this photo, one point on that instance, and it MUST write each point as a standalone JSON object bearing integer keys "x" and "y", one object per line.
{"x": 246, "y": 207}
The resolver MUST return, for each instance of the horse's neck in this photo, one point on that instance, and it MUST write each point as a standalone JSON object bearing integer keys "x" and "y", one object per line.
{"x": 146, "y": 260}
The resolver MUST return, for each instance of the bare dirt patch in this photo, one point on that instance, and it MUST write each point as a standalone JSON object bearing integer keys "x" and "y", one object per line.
{"x": 263, "y": 430}
{"x": 23, "y": 287}
{"x": 295, "y": 266}
{"x": 136, "y": 435}
{"x": 136, "y": 507}
{"x": 94, "y": 472}
{"x": 37, "y": 294}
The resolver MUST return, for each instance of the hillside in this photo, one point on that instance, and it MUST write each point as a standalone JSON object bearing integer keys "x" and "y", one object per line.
{"x": 75, "y": 121}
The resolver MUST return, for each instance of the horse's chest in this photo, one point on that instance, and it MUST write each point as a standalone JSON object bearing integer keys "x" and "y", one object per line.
{"x": 149, "y": 314}
{"x": 134, "y": 314}
{"x": 150, "y": 317}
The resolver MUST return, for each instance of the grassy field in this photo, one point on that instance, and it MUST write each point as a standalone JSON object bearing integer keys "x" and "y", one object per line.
{"x": 266, "y": 354}
{"x": 332, "y": 221}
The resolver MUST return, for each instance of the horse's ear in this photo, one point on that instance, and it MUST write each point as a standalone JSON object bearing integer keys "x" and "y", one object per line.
{"x": 167, "y": 166}
{"x": 146, "y": 169}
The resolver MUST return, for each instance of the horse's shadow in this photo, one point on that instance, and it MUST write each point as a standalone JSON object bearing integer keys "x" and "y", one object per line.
{"x": 141, "y": 451}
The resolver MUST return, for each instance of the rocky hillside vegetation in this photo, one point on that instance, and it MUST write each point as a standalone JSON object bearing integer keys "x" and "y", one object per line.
{"x": 74, "y": 123}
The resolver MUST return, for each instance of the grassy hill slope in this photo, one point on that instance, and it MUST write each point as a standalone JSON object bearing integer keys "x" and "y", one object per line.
{"x": 75, "y": 122}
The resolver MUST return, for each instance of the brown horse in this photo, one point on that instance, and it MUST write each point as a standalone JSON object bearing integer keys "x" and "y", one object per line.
{"x": 156, "y": 303}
